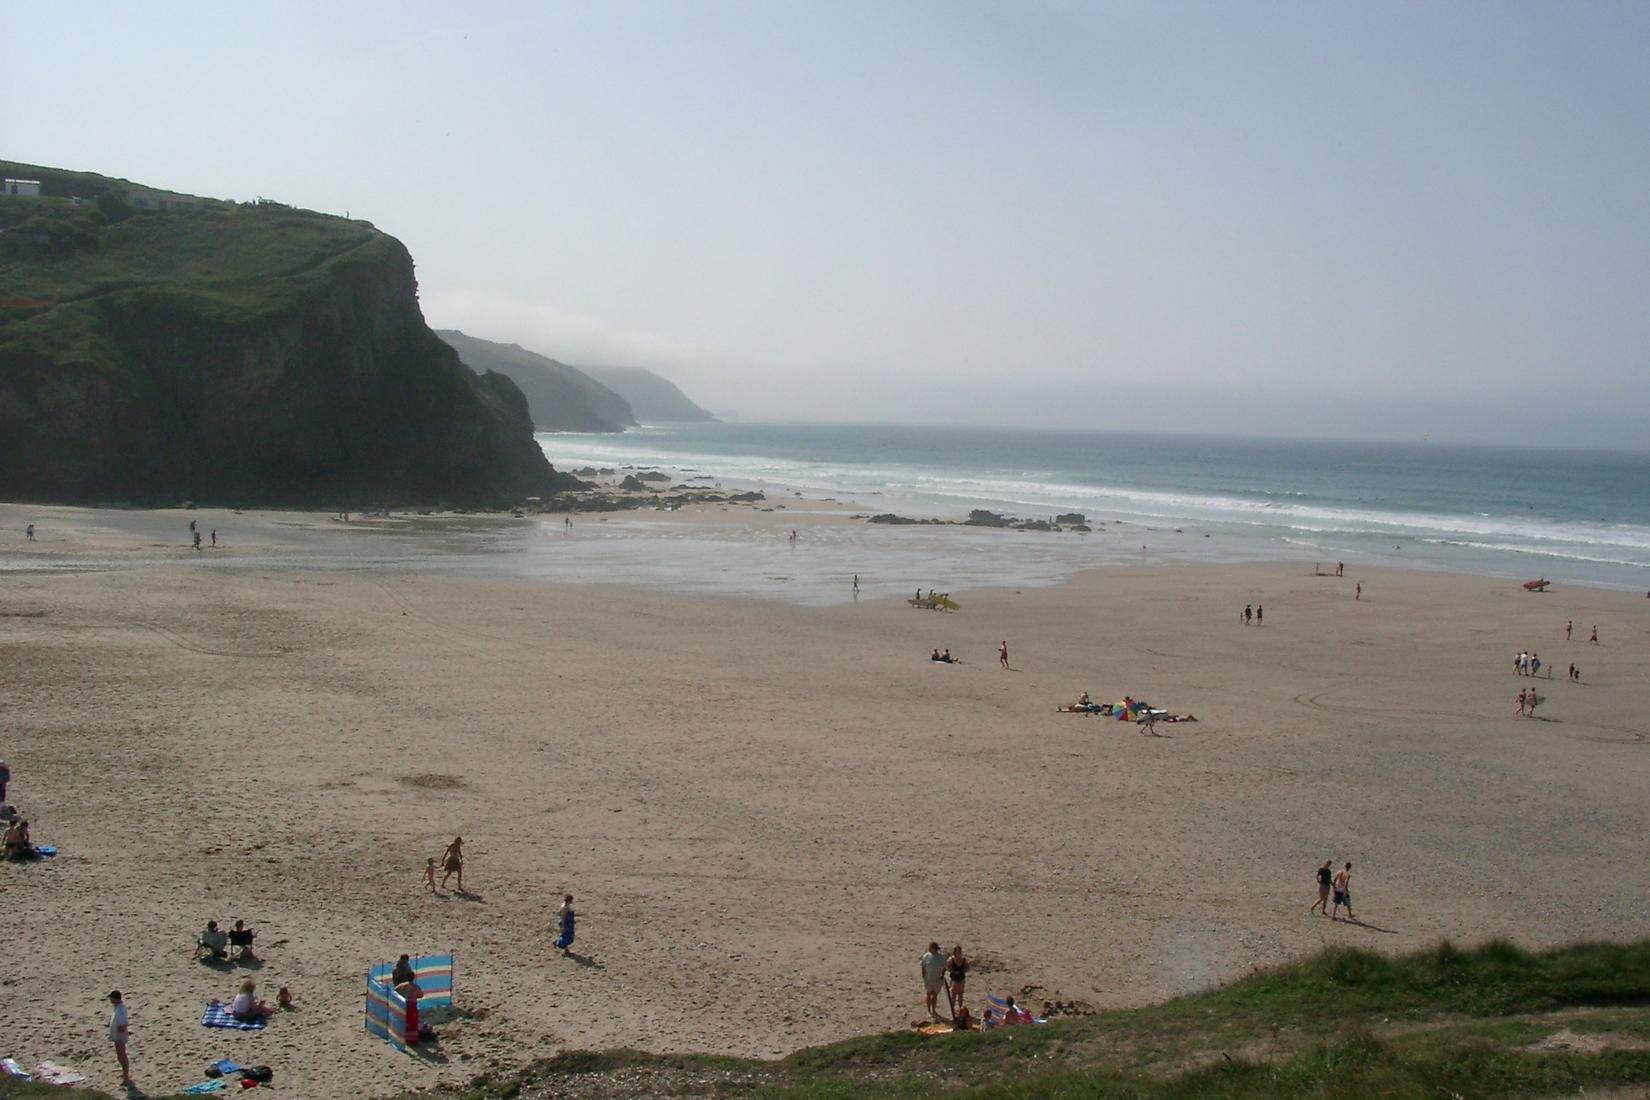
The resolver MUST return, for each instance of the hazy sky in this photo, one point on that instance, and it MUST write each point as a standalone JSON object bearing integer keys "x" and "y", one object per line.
{"x": 1379, "y": 219}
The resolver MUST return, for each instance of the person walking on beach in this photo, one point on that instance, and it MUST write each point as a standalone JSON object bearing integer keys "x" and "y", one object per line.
{"x": 1260, "y": 614}
{"x": 118, "y": 1034}
{"x": 452, "y": 861}
{"x": 197, "y": 540}
{"x": 1248, "y": 613}
{"x": 1002, "y": 653}
{"x": 932, "y": 964}
{"x": 1358, "y": 591}
{"x": 429, "y": 873}
{"x": 1324, "y": 876}
{"x": 566, "y": 921}
{"x": 856, "y": 584}
{"x": 5, "y": 775}
{"x": 1340, "y": 569}
{"x": 1522, "y": 694}
{"x": 1594, "y": 637}
{"x": 1534, "y": 699}
{"x": 1569, "y": 629}
{"x": 214, "y": 536}
{"x": 30, "y": 532}
{"x": 1343, "y": 892}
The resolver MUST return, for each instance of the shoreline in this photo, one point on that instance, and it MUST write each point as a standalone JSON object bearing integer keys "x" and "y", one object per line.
{"x": 748, "y": 535}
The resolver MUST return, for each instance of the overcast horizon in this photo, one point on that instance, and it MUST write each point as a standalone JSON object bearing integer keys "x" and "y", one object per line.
{"x": 1387, "y": 222}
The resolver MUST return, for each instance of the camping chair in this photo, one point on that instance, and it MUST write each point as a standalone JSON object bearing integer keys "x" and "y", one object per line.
{"x": 240, "y": 942}
{"x": 996, "y": 1012}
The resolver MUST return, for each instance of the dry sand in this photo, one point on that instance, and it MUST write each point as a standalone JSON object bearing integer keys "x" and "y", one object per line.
{"x": 767, "y": 811}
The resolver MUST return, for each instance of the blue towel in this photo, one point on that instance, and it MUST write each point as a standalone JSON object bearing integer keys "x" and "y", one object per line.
{"x": 45, "y": 851}
{"x": 217, "y": 1015}
{"x": 207, "y": 1086}
{"x": 225, "y": 1066}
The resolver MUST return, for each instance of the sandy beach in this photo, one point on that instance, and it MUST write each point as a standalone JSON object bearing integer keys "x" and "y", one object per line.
{"x": 765, "y": 810}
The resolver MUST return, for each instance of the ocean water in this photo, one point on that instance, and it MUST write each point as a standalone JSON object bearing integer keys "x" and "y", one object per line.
{"x": 1569, "y": 516}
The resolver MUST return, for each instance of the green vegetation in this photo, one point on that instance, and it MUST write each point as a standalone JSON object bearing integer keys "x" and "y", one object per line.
{"x": 1494, "y": 1021}
{"x": 234, "y": 353}
{"x": 1442, "y": 1023}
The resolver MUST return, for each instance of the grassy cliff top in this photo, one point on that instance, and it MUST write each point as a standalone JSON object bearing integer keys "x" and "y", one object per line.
{"x": 234, "y": 261}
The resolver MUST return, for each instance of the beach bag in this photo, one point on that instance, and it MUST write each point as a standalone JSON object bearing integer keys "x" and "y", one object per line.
{"x": 258, "y": 1073}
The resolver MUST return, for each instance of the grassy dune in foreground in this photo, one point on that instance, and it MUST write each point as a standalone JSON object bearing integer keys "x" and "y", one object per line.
{"x": 1492, "y": 1021}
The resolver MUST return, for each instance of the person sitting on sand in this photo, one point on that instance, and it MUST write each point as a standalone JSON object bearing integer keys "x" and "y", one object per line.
{"x": 246, "y": 1006}
{"x": 215, "y": 940}
{"x": 962, "y": 1019}
{"x": 15, "y": 843}
{"x": 240, "y": 937}
{"x": 403, "y": 971}
{"x": 452, "y": 861}
{"x": 948, "y": 659}
{"x": 935, "y": 656}
{"x": 283, "y": 999}
{"x": 1011, "y": 1014}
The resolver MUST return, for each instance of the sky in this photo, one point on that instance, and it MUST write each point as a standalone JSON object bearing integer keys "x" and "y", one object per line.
{"x": 1370, "y": 220}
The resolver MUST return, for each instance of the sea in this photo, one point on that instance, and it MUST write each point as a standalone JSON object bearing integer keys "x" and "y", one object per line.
{"x": 1570, "y": 516}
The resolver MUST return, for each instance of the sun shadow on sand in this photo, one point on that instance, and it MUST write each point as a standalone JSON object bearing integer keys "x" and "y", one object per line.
{"x": 470, "y": 896}
{"x": 1365, "y": 924}
{"x": 584, "y": 960}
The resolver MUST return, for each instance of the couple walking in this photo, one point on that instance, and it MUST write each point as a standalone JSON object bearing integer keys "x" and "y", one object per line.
{"x": 1338, "y": 882}
{"x": 948, "y": 972}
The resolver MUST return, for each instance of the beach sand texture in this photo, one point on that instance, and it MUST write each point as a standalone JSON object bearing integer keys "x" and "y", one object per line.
{"x": 767, "y": 811}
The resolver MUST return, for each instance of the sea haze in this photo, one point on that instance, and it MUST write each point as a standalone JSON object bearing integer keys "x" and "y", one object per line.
{"x": 1579, "y": 516}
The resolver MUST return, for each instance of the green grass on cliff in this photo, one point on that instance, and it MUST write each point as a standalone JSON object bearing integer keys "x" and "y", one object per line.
{"x": 222, "y": 262}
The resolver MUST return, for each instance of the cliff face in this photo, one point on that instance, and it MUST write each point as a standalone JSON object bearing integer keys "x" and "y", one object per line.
{"x": 265, "y": 360}
{"x": 559, "y": 397}
{"x": 653, "y": 399}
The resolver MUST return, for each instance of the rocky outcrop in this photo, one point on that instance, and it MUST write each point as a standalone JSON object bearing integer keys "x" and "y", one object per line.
{"x": 320, "y": 385}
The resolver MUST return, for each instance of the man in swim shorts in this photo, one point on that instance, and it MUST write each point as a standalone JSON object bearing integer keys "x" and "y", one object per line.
{"x": 933, "y": 977}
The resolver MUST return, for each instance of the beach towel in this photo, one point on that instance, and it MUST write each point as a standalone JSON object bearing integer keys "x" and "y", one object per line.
{"x": 53, "y": 1074}
{"x": 217, "y": 1015}
{"x": 45, "y": 851}
{"x": 209, "y": 1085}
{"x": 15, "y": 1069}
{"x": 221, "y": 1067}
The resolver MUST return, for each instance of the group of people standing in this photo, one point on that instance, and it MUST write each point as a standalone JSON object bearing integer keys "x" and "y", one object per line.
{"x": 950, "y": 974}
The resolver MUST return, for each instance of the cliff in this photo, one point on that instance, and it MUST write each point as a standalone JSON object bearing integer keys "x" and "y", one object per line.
{"x": 559, "y": 397}
{"x": 234, "y": 353}
{"x": 652, "y": 398}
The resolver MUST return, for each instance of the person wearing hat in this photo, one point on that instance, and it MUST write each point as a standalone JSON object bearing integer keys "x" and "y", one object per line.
{"x": 117, "y": 1035}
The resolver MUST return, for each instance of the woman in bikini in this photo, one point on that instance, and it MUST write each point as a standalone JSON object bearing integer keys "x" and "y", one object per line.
{"x": 1324, "y": 877}
{"x": 957, "y": 969}
{"x": 452, "y": 861}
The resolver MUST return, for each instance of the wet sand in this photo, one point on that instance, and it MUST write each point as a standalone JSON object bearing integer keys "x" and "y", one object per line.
{"x": 765, "y": 810}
